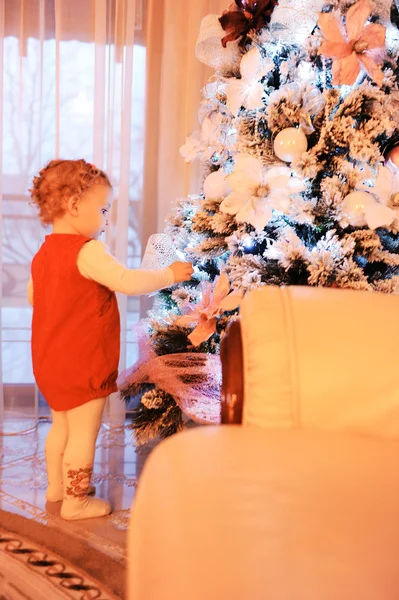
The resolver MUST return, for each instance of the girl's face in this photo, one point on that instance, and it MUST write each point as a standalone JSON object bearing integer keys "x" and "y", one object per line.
{"x": 93, "y": 209}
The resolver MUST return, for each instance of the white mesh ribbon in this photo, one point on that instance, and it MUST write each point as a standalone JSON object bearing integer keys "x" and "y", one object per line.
{"x": 209, "y": 49}
{"x": 160, "y": 252}
{"x": 194, "y": 380}
{"x": 294, "y": 20}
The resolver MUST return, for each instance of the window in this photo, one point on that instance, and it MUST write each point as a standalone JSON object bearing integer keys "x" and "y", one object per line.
{"x": 30, "y": 99}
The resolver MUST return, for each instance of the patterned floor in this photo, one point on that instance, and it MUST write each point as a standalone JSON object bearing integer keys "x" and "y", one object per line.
{"x": 117, "y": 466}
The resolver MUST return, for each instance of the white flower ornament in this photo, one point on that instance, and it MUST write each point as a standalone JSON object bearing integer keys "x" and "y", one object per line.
{"x": 206, "y": 141}
{"x": 248, "y": 90}
{"x": 257, "y": 191}
{"x": 377, "y": 212}
{"x": 192, "y": 147}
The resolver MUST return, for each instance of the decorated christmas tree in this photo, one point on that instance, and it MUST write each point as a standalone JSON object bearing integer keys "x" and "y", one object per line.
{"x": 299, "y": 139}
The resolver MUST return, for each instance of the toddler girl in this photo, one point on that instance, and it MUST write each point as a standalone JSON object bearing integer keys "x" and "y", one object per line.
{"x": 75, "y": 327}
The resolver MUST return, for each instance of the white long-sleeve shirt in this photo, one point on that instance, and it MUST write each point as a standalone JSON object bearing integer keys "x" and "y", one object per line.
{"x": 96, "y": 263}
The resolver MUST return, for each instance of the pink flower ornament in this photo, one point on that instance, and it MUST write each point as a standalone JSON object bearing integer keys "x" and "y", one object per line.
{"x": 353, "y": 47}
{"x": 215, "y": 301}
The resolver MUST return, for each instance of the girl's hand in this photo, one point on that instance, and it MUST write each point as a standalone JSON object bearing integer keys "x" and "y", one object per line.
{"x": 182, "y": 271}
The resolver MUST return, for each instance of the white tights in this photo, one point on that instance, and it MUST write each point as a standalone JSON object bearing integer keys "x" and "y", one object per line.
{"x": 70, "y": 448}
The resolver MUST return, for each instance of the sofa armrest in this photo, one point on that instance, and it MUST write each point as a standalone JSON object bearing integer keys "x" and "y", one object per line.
{"x": 231, "y": 353}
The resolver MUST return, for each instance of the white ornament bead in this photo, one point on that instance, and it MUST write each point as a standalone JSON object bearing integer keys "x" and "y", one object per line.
{"x": 355, "y": 204}
{"x": 290, "y": 143}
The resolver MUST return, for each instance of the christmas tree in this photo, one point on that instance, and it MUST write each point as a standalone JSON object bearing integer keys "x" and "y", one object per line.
{"x": 299, "y": 139}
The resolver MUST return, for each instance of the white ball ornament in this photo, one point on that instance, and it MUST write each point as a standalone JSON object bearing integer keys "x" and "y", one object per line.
{"x": 393, "y": 157}
{"x": 355, "y": 205}
{"x": 216, "y": 186}
{"x": 290, "y": 143}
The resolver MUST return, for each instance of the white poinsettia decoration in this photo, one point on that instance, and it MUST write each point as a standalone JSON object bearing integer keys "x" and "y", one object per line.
{"x": 211, "y": 130}
{"x": 212, "y": 94}
{"x": 210, "y": 90}
{"x": 257, "y": 191}
{"x": 192, "y": 147}
{"x": 209, "y": 139}
{"x": 248, "y": 90}
{"x": 381, "y": 211}
{"x": 308, "y": 97}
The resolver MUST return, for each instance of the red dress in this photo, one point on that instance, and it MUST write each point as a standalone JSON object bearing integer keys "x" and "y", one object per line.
{"x": 75, "y": 327}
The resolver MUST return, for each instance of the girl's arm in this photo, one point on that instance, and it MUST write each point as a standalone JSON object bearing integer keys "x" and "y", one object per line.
{"x": 96, "y": 263}
{"x": 30, "y": 290}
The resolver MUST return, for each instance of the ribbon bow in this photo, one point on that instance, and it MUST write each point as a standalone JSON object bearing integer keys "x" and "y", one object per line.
{"x": 244, "y": 16}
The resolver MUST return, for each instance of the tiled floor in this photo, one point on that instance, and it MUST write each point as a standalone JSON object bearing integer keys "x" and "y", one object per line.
{"x": 117, "y": 465}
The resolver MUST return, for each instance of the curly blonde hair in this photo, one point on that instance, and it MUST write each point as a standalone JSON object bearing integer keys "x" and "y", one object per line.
{"x": 58, "y": 182}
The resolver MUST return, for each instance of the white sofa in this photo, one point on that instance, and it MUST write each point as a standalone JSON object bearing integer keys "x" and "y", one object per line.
{"x": 241, "y": 513}
{"x": 301, "y": 502}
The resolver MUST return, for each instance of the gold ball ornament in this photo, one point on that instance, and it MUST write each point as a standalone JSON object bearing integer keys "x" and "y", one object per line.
{"x": 290, "y": 143}
{"x": 393, "y": 156}
{"x": 355, "y": 204}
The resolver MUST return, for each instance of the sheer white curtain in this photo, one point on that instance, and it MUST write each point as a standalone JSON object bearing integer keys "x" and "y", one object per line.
{"x": 72, "y": 85}
{"x": 173, "y": 98}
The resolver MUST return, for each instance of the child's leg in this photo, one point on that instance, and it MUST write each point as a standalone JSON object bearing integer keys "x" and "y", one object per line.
{"x": 83, "y": 426}
{"x": 56, "y": 442}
